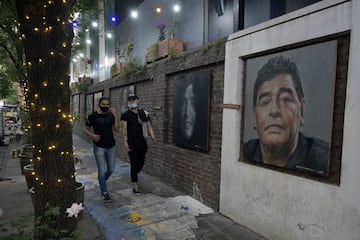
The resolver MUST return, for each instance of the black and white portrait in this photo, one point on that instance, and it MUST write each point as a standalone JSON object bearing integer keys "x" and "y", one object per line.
{"x": 89, "y": 103}
{"x": 191, "y": 110}
{"x": 289, "y": 100}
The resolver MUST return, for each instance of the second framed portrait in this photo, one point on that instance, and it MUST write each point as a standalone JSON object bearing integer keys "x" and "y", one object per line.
{"x": 191, "y": 110}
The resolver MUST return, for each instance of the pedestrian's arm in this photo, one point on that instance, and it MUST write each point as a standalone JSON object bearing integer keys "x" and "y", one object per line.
{"x": 124, "y": 133}
{"x": 93, "y": 136}
{"x": 151, "y": 131}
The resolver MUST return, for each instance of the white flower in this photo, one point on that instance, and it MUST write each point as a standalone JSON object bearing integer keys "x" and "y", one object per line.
{"x": 1, "y": 212}
{"x": 74, "y": 210}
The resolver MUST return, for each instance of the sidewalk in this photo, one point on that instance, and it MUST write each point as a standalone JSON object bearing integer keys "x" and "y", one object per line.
{"x": 159, "y": 213}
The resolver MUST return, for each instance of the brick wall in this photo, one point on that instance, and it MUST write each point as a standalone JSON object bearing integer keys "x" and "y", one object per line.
{"x": 192, "y": 172}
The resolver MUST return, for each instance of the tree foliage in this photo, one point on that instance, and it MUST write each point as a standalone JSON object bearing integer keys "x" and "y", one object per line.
{"x": 11, "y": 50}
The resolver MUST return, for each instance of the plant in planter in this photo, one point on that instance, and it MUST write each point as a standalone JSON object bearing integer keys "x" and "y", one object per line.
{"x": 165, "y": 46}
{"x": 124, "y": 57}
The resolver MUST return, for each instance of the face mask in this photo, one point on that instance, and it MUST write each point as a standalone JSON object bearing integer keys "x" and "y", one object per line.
{"x": 104, "y": 109}
{"x": 132, "y": 105}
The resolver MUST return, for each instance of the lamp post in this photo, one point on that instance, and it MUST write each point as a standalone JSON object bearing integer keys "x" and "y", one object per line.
{"x": 176, "y": 9}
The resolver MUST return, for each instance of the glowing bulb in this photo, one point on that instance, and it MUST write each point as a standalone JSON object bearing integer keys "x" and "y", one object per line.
{"x": 158, "y": 9}
{"x": 134, "y": 14}
{"x": 36, "y": 29}
{"x": 176, "y": 8}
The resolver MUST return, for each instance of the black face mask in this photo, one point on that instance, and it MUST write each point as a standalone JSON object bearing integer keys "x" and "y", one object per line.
{"x": 104, "y": 109}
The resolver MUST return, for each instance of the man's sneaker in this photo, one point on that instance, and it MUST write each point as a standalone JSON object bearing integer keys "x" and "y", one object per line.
{"x": 136, "y": 191}
{"x": 106, "y": 197}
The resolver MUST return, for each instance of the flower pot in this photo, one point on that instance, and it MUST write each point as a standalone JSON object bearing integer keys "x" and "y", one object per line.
{"x": 28, "y": 172}
{"x": 27, "y": 150}
{"x": 24, "y": 160}
{"x": 164, "y": 48}
{"x": 170, "y": 47}
{"x": 117, "y": 68}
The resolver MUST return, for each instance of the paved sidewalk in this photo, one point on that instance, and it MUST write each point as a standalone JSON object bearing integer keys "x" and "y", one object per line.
{"x": 15, "y": 200}
{"x": 159, "y": 213}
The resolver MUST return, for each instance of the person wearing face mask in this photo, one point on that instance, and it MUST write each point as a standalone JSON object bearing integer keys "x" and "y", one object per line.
{"x": 136, "y": 126}
{"x": 103, "y": 122}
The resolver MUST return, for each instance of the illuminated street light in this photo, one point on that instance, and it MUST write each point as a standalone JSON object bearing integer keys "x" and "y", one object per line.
{"x": 134, "y": 14}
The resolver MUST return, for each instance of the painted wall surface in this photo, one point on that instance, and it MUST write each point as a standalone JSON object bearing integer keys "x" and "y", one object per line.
{"x": 278, "y": 205}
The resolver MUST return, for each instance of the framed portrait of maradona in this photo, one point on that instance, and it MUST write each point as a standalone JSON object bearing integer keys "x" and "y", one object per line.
{"x": 191, "y": 110}
{"x": 288, "y": 108}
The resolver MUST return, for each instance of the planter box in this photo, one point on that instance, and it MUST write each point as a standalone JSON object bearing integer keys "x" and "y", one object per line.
{"x": 117, "y": 68}
{"x": 163, "y": 49}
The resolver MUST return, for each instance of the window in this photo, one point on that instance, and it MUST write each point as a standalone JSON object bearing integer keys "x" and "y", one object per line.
{"x": 253, "y": 12}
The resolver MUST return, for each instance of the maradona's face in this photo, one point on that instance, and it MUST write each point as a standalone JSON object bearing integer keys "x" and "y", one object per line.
{"x": 188, "y": 114}
{"x": 278, "y": 113}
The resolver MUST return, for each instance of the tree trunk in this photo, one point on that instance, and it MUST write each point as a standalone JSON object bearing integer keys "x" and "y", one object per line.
{"x": 47, "y": 37}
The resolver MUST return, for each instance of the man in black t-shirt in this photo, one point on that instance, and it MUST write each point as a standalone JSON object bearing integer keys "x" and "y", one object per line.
{"x": 103, "y": 122}
{"x": 135, "y": 127}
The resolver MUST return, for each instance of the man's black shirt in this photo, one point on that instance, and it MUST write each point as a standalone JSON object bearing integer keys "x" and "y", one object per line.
{"x": 134, "y": 128}
{"x": 103, "y": 126}
{"x": 311, "y": 155}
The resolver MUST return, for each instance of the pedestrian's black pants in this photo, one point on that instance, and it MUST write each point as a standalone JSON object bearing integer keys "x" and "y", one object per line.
{"x": 137, "y": 160}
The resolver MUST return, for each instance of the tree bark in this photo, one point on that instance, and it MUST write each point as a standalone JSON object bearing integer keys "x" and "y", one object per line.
{"x": 47, "y": 37}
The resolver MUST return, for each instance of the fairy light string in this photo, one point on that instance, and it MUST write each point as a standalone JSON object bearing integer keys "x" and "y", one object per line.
{"x": 40, "y": 25}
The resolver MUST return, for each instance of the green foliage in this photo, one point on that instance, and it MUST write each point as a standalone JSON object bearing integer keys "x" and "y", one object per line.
{"x": 134, "y": 66}
{"x": 11, "y": 51}
{"x": 88, "y": 10}
{"x": 173, "y": 25}
{"x": 22, "y": 228}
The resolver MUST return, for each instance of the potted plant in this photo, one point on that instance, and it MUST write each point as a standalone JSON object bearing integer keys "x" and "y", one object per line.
{"x": 124, "y": 56}
{"x": 164, "y": 47}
